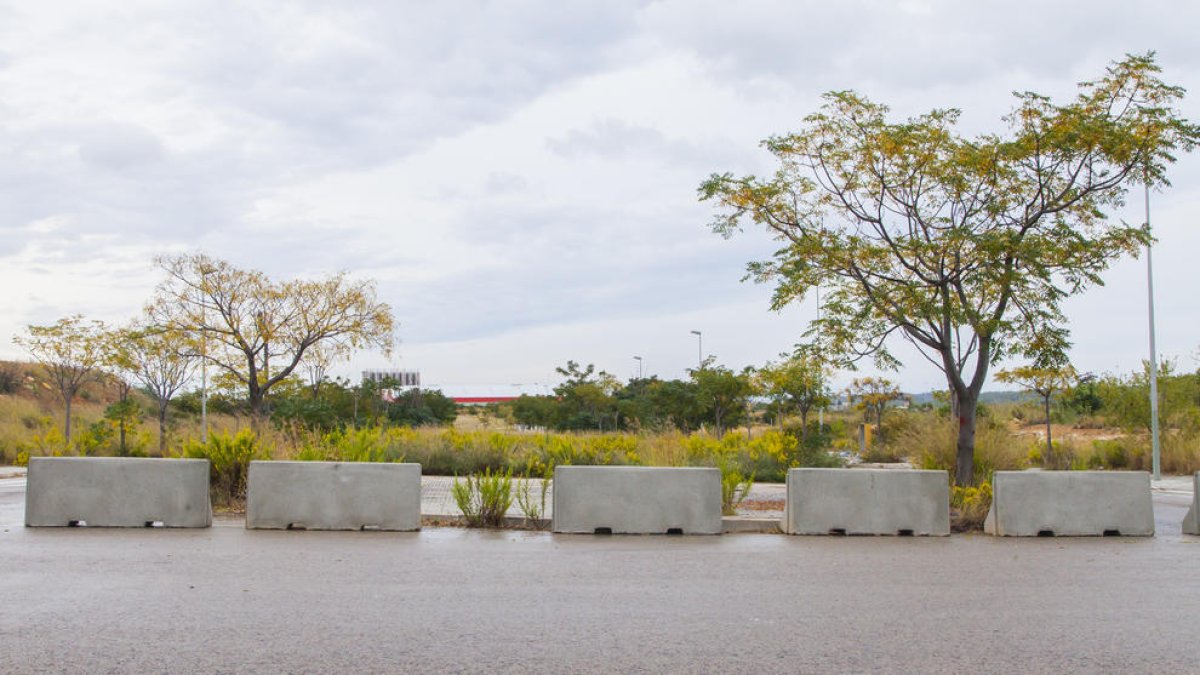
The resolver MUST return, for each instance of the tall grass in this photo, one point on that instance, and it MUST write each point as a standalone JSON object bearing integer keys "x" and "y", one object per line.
{"x": 931, "y": 443}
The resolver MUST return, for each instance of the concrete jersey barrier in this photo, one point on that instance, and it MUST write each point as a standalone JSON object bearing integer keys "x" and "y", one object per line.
{"x": 333, "y": 496}
{"x": 867, "y": 501}
{"x": 1191, "y": 522}
{"x": 1070, "y": 503}
{"x": 637, "y": 500}
{"x": 117, "y": 492}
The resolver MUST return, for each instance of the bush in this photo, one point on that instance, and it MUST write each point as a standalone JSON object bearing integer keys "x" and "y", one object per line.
{"x": 367, "y": 444}
{"x": 484, "y": 499}
{"x": 229, "y": 459}
{"x": 734, "y": 489}
{"x": 10, "y": 379}
{"x": 969, "y": 506}
{"x": 534, "y": 509}
{"x": 934, "y": 446}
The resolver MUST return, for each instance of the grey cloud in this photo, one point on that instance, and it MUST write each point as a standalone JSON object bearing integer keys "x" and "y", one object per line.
{"x": 561, "y": 265}
{"x": 818, "y": 46}
{"x": 391, "y": 79}
{"x": 120, "y": 147}
{"x": 618, "y": 139}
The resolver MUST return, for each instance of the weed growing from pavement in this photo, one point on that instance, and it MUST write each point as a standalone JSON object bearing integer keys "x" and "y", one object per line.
{"x": 484, "y": 498}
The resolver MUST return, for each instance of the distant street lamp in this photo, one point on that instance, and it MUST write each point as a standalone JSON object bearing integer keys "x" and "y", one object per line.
{"x": 699, "y": 349}
{"x": 639, "y": 360}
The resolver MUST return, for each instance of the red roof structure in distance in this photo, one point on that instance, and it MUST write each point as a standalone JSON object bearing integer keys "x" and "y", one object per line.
{"x": 483, "y": 394}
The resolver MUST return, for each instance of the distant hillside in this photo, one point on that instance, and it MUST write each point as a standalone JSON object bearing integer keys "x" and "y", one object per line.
{"x": 984, "y": 397}
{"x": 26, "y": 380}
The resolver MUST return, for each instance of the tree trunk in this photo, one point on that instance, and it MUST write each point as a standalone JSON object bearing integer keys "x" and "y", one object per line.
{"x": 256, "y": 408}
{"x": 803, "y": 426}
{"x": 67, "y": 425}
{"x": 964, "y": 471}
{"x": 162, "y": 428}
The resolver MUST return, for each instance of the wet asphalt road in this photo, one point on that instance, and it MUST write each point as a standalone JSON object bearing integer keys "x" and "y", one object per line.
{"x": 229, "y": 600}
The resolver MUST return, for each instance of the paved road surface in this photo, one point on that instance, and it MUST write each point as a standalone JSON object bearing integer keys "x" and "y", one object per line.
{"x": 230, "y": 600}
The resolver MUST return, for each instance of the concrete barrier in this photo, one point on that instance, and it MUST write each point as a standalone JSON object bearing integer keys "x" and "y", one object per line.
{"x": 637, "y": 500}
{"x": 333, "y": 496}
{"x": 117, "y": 492}
{"x": 1191, "y": 522}
{"x": 1071, "y": 504}
{"x": 867, "y": 501}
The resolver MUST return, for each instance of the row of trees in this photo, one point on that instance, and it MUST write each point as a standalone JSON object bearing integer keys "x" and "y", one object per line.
{"x": 713, "y": 395}
{"x": 253, "y": 331}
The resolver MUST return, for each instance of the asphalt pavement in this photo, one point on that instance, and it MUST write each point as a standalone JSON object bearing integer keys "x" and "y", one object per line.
{"x": 453, "y": 600}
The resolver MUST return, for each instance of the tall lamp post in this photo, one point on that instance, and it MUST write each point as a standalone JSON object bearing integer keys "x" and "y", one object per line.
{"x": 1154, "y": 456}
{"x": 639, "y": 360}
{"x": 699, "y": 349}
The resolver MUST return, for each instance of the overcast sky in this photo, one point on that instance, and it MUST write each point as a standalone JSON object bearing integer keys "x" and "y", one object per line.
{"x": 519, "y": 177}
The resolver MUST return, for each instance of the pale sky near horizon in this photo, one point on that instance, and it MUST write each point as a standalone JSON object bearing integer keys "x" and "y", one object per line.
{"x": 519, "y": 177}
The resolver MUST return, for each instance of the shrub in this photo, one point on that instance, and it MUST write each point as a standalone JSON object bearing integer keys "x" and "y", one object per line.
{"x": 996, "y": 449}
{"x": 366, "y": 444}
{"x": 10, "y": 379}
{"x": 229, "y": 459}
{"x": 969, "y": 506}
{"x": 534, "y": 509}
{"x": 734, "y": 488}
{"x": 484, "y": 499}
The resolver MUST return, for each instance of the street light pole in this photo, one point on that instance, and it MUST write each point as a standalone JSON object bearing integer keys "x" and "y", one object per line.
{"x": 639, "y": 360}
{"x": 1154, "y": 461}
{"x": 821, "y": 410}
{"x": 699, "y": 349}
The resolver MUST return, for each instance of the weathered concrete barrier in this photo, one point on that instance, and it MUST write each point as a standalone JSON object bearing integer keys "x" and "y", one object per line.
{"x": 117, "y": 492}
{"x": 1070, "y": 503}
{"x": 637, "y": 500}
{"x": 867, "y": 501}
{"x": 1191, "y": 522}
{"x": 333, "y": 496}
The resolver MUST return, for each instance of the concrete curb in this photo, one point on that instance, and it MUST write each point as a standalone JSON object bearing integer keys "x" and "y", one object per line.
{"x": 749, "y": 525}
{"x": 458, "y": 520}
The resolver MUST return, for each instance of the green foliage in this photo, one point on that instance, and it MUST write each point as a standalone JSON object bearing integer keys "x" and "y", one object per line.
{"x": 48, "y": 441}
{"x": 872, "y": 395}
{"x": 419, "y": 407}
{"x": 734, "y": 488}
{"x": 767, "y": 456}
{"x": 367, "y": 444}
{"x": 534, "y": 508}
{"x": 229, "y": 457}
{"x": 722, "y": 393}
{"x": 797, "y": 384}
{"x": 484, "y": 499}
{"x": 71, "y": 350}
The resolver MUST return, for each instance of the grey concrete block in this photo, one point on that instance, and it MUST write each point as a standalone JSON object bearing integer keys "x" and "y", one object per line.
{"x": 1071, "y": 504}
{"x": 867, "y": 501}
{"x": 637, "y": 500}
{"x": 333, "y": 496}
{"x": 1191, "y": 522}
{"x": 117, "y": 492}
